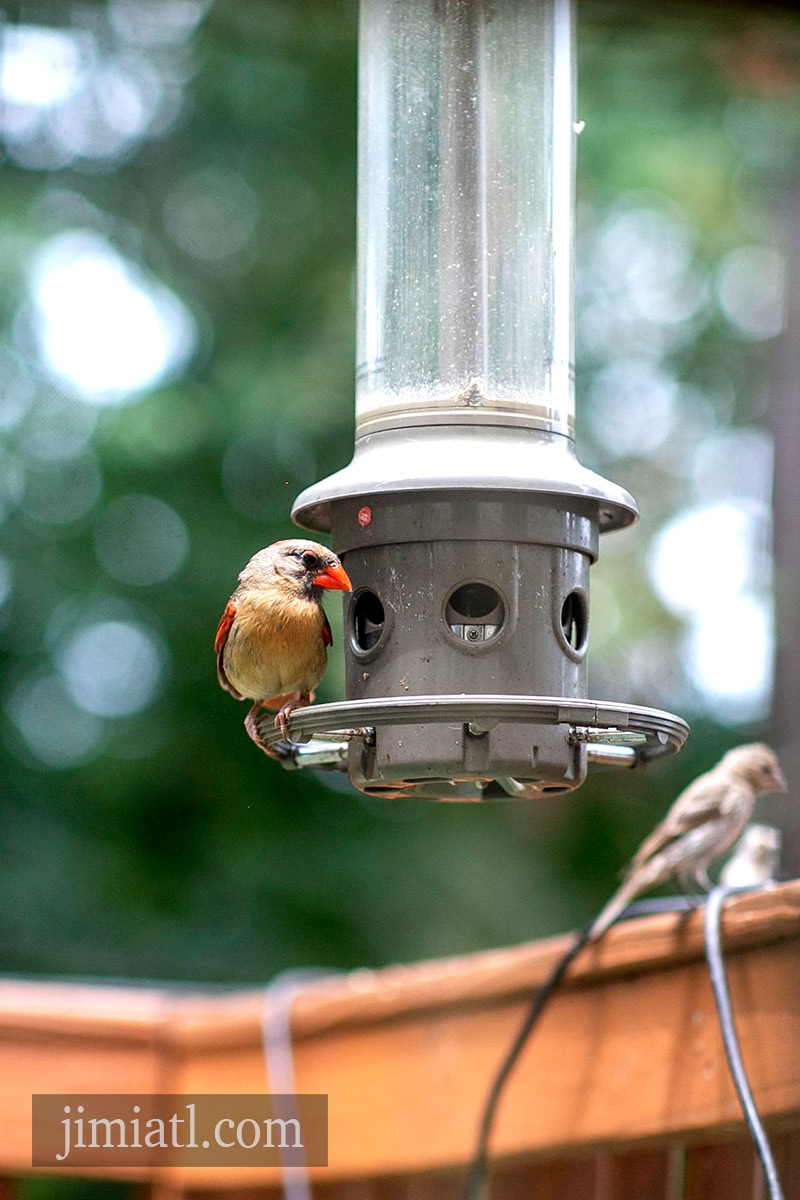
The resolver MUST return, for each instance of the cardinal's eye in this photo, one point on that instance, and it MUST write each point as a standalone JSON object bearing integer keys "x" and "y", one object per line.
{"x": 767, "y": 769}
{"x": 310, "y": 561}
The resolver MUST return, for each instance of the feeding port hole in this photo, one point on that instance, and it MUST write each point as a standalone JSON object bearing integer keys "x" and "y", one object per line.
{"x": 475, "y": 612}
{"x": 369, "y": 619}
{"x": 574, "y": 622}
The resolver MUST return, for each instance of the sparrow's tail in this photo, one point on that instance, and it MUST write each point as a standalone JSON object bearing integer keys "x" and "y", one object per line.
{"x": 645, "y": 876}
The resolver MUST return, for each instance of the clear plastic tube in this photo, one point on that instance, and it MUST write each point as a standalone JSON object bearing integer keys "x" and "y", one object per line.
{"x": 466, "y": 184}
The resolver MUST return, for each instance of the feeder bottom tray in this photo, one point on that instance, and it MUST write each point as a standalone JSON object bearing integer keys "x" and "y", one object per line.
{"x": 473, "y": 747}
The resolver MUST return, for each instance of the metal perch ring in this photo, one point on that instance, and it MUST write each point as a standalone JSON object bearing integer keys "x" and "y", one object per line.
{"x": 621, "y": 734}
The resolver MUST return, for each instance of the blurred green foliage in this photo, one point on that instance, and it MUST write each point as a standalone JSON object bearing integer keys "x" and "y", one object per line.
{"x": 172, "y": 849}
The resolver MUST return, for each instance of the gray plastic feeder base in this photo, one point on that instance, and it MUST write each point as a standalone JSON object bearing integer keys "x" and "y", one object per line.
{"x": 499, "y": 747}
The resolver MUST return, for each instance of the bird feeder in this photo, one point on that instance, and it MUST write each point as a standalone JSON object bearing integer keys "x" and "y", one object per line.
{"x": 465, "y": 521}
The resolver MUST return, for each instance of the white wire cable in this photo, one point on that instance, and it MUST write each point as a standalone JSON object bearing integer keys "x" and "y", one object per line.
{"x": 716, "y": 969}
{"x": 276, "y": 1038}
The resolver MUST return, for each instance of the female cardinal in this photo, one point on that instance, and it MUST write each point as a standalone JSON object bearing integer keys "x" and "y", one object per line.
{"x": 703, "y": 823}
{"x": 272, "y": 638}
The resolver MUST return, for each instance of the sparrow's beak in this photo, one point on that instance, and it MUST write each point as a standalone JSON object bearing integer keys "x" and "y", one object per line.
{"x": 334, "y": 577}
{"x": 779, "y": 782}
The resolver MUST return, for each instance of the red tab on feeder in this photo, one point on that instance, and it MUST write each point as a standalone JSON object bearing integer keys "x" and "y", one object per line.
{"x": 364, "y": 516}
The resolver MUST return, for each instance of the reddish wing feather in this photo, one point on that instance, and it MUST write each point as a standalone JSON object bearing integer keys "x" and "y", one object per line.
{"x": 223, "y": 629}
{"x": 327, "y": 636}
{"x": 225, "y": 622}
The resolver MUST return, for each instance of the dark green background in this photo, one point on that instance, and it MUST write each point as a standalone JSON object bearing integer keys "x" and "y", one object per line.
{"x": 198, "y": 859}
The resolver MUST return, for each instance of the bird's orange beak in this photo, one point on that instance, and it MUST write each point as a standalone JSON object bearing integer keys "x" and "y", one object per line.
{"x": 779, "y": 781}
{"x": 334, "y": 577}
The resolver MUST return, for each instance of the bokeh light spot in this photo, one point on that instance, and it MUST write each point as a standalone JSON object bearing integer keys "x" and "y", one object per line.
{"x": 639, "y": 289}
{"x": 728, "y": 656}
{"x": 157, "y": 22}
{"x": 59, "y": 493}
{"x": 710, "y": 566}
{"x": 633, "y": 407}
{"x": 40, "y": 66}
{"x": 12, "y": 482}
{"x": 140, "y": 540}
{"x": 55, "y": 730}
{"x": 702, "y": 557}
{"x": 734, "y": 463}
{"x": 750, "y": 287}
{"x": 105, "y": 326}
{"x": 6, "y": 579}
{"x": 211, "y": 214}
{"x": 112, "y": 668}
{"x": 17, "y": 390}
{"x": 58, "y": 428}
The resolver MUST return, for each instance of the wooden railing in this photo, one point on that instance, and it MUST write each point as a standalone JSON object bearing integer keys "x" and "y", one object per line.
{"x": 622, "y": 1093}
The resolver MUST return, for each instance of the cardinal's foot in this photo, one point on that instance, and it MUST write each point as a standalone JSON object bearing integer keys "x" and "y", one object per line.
{"x": 287, "y": 708}
{"x": 255, "y": 735}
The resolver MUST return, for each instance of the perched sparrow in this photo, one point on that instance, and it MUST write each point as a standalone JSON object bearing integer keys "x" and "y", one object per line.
{"x": 272, "y": 638}
{"x": 703, "y": 823}
{"x": 755, "y": 859}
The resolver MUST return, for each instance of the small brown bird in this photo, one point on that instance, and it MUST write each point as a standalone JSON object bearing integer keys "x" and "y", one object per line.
{"x": 272, "y": 640}
{"x": 703, "y": 823}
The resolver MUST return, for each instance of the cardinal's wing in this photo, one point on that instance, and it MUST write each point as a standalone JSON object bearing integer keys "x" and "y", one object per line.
{"x": 220, "y": 641}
